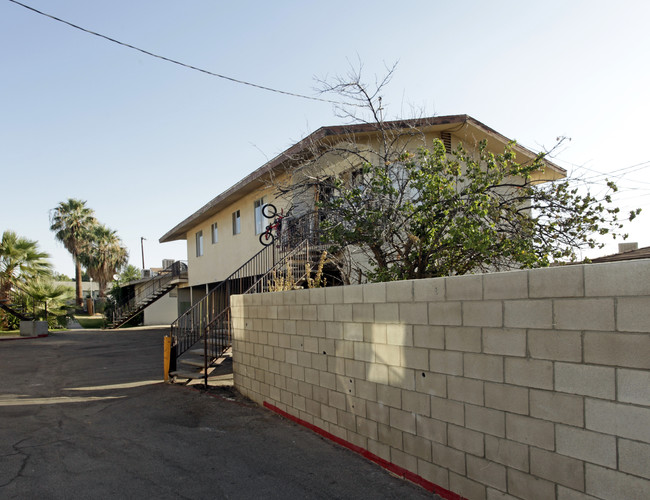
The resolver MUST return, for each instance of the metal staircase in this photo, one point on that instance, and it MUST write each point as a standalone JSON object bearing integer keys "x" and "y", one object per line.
{"x": 156, "y": 287}
{"x": 14, "y": 303}
{"x": 202, "y": 337}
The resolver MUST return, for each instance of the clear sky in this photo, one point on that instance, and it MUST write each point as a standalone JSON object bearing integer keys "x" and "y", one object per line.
{"x": 147, "y": 142}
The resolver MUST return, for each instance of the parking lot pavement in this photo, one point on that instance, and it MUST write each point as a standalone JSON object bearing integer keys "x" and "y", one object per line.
{"x": 86, "y": 415}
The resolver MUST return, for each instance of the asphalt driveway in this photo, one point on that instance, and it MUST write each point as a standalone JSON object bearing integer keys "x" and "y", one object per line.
{"x": 85, "y": 414}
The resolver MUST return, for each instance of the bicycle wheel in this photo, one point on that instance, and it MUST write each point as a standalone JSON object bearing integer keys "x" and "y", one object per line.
{"x": 266, "y": 238}
{"x": 269, "y": 211}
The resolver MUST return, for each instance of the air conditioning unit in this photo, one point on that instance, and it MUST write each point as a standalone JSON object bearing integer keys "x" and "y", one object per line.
{"x": 627, "y": 247}
{"x": 146, "y": 273}
{"x": 167, "y": 263}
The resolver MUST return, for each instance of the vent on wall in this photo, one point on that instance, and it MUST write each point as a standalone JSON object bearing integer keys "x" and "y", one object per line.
{"x": 445, "y": 137}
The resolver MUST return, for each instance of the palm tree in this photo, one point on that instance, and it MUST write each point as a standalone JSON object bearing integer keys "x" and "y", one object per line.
{"x": 20, "y": 262}
{"x": 49, "y": 300}
{"x": 102, "y": 255}
{"x": 71, "y": 222}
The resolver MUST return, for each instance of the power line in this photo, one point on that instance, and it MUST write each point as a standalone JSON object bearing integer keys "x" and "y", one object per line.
{"x": 231, "y": 79}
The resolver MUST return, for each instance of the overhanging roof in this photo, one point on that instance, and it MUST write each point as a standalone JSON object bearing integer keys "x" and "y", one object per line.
{"x": 253, "y": 181}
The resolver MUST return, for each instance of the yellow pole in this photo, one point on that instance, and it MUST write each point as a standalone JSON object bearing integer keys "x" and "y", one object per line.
{"x": 167, "y": 354}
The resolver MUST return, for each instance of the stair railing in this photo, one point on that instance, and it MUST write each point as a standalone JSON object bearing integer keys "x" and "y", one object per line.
{"x": 156, "y": 285}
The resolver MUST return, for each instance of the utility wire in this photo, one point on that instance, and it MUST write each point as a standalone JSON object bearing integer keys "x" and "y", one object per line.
{"x": 235, "y": 80}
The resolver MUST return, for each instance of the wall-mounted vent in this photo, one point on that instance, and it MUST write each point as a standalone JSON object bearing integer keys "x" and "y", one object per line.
{"x": 445, "y": 137}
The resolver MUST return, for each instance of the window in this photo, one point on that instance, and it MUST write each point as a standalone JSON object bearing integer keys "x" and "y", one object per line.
{"x": 259, "y": 218}
{"x": 199, "y": 244}
{"x": 215, "y": 233}
{"x": 236, "y": 222}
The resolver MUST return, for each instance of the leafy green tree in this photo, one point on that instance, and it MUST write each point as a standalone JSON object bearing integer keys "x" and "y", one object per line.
{"x": 49, "y": 301}
{"x": 437, "y": 214}
{"x": 20, "y": 262}
{"x": 71, "y": 221}
{"x": 103, "y": 254}
{"x": 129, "y": 273}
{"x": 391, "y": 211}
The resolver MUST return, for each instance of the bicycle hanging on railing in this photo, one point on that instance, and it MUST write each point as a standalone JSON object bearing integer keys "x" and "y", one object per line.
{"x": 273, "y": 230}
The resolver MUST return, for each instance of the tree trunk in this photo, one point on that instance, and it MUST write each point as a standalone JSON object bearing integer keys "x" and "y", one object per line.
{"x": 77, "y": 277}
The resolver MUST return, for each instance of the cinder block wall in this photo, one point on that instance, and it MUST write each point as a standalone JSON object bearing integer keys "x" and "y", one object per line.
{"x": 526, "y": 384}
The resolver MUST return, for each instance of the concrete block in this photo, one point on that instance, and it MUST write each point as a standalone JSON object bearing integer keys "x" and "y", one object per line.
{"x": 363, "y": 313}
{"x": 415, "y": 357}
{"x": 505, "y": 285}
{"x": 353, "y": 331}
{"x": 388, "y": 354}
{"x": 342, "y": 312}
{"x": 617, "y": 278}
{"x": 446, "y": 362}
{"x": 447, "y": 411}
{"x": 584, "y": 314}
{"x": 399, "y": 291}
{"x": 633, "y": 314}
{"x": 333, "y": 295}
{"x": 466, "y": 488}
{"x": 634, "y": 458}
{"x": 389, "y": 396}
{"x": 507, "y": 452}
{"x": 564, "y": 493}
{"x": 596, "y": 381}
{"x": 467, "y": 287}
{"x": 352, "y": 294}
{"x": 528, "y": 487}
{"x": 380, "y": 449}
{"x": 466, "y": 440}
{"x": 431, "y": 429}
{"x": 555, "y": 345}
{"x": 417, "y": 446}
{"x": 377, "y": 412}
{"x": 325, "y": 311}
{"x": 483, "y": 366}
{"x": 585, "y": 445}
{"x": 463, "y": 338}
{"x": 531, "y": 431}
{"x": 404, "y": 378}
{"x": 387, "y": 313}
{"x": 626, "y": 350}
{"x": 365, "y": 352}
{"x": 449, "y": 458}
{"x": 433, "y": 473}
{"x": 431, "y": 337}
{"x": 390, "y": 436}
{"x": 399, "y": 335}
{"x": 374, "y": 333}
{"x": 402, "y": 420}
{"x": 618, "y": 419}
{"x": 528, "y": 313}
{"x": 413, "y": 313}
{"x": 374, "y": 293}
{"x": 493, "y": 494}
{"x": 33, "y": 328}
{"x": 486, "y": 472}
{"x": 557, "y": 407}
{"x": 344, "y": 348}
{"x": 529, "y": 372}
{"x": 557, "y": 468}
{"x": 433, "y": 384}
{"x": 506, "y": 397}
{"x": 429, "y": 290}
{"x": 505, "y": 341}
{"x": 376, "y": 372}
{"x": 445, "y": 313}
{"x": 483, "y": 313}
{"x": 606, "y": 483}
{"x": 357, "y": 369}
{"x": 556, "y": 282}
{"x": 485, "y": 420}
{"x": 465, "y": 389}
{"x": 633, "y": 386}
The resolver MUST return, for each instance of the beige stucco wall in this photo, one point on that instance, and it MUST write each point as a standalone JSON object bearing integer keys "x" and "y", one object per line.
{"x": 526, "y": 384}
{"x": 164, "y": 311}
{"x": 219, "y": 260}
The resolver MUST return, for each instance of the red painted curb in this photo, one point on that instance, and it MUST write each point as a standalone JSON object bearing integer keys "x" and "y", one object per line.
{"x": 25, "y": 338}
{"x": 391, "y": 467}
